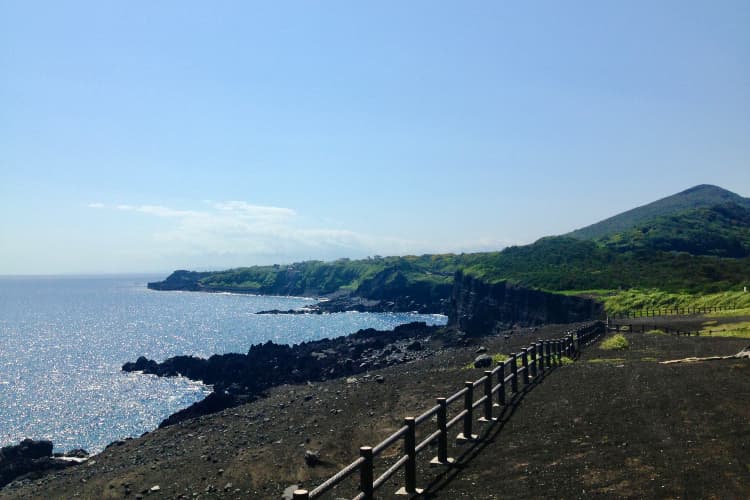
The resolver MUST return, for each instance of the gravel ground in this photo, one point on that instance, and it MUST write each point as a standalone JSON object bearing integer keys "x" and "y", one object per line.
{"x": 612, "y": 424}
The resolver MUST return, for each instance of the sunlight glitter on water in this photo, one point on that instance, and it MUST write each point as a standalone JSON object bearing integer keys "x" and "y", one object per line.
{"x": 63, "y": 341}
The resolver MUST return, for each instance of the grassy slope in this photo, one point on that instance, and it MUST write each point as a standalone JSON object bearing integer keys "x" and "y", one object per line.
{"x": 618, "y": 301}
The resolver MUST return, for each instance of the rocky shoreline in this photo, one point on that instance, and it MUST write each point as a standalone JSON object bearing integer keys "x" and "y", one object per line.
{"x": 474, "y": 309}
{"x": 31, "y": 459}
{"x": 240, "y": 378}
{"x": 590, "y": 420}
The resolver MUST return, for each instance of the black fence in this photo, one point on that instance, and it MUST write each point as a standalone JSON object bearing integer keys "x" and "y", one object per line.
{"x": 673, "y": 311}
{"x": 492, "y": 389}
{"x": 642, "y": 328}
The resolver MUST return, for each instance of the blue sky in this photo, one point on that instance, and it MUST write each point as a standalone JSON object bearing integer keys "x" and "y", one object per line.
{"x": 147, "y": 136}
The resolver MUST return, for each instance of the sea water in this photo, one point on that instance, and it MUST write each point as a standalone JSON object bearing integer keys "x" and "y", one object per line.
{"x": 64, "y": 340}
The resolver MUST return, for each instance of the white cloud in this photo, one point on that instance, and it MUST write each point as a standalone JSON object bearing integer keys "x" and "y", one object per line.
{"x": 250, "y": 210}
{"x": 245, "y": 230}
{"x": 157, "y": 210}
{"x": 232, "y": 233}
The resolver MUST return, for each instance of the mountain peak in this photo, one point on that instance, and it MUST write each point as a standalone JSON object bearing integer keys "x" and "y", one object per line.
{"x": 702, "y": 195}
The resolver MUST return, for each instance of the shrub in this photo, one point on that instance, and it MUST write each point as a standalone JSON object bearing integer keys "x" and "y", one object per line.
{"x": 615, "y": 342}
{"x": 499, "y": 358}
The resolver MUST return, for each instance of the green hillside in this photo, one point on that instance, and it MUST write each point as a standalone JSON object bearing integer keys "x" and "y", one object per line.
{"x": 562, "y": 263}
{"x": 720, "y": 230}
{"x": 695, "y": 242}
{"x": 702, "y": 196}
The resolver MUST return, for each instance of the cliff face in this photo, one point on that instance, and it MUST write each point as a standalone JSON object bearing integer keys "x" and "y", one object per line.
{"x": 479, "y": 308}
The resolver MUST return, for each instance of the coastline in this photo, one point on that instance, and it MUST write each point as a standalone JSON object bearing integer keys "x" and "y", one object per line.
{"x": 315, "y": 361}
{"x": 258, "y": 450}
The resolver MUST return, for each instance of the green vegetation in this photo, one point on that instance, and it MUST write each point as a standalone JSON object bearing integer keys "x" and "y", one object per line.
{"x": 743, "y": 311}
{"x": 561, "y": 263}
{"x": 606, "y": 360}
{"x": 696, "y": 197}
{"x": 689, "y": 250}
{"x": 615, "y": 342}
{"x": 737, "y": 330}
{"x": 565, "y": 360}
{"x": 637, "y": 299}
{"x": 721, "y": 230}
{"x": 499, "y": 358}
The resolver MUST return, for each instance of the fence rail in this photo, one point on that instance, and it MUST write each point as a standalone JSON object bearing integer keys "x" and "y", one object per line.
{"x": 536, "y": 360}
{"x": 643, "y": 327}
{"x": 671, "y": 311}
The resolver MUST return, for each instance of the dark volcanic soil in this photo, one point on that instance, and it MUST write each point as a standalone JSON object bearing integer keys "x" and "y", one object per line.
{"x": 612, "y": 424}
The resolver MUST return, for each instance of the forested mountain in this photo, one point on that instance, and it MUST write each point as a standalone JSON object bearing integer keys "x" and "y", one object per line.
{"x": 720, "y": 230}
{"x": 701, "y": 196}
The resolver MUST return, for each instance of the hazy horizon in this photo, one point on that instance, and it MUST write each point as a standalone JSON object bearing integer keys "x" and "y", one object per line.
{"x": 147, "y": 137}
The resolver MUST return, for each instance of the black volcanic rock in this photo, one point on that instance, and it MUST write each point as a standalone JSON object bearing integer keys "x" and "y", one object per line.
{"x": 214, "y": 402}
{"x": 29, "y": 458}
{"x": 237, "y": 378}
{"x": 480, "y": 308}
{"x": 28, "y": 449}
{"x": 142, "y": 364}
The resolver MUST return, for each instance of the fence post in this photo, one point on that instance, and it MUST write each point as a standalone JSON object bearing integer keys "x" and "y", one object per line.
{"x": 540, "y": 348}
{"x": 442, "y": 422}
{"x": 525, "y": 364}
{"x": 301, "y": 495}
{"x": 548, "y": 348}
{"x": 410, "y": 450}
{"x": 488, "y": 397}
{"x": 466, "y": 435}
{"x": 365, "y": 472}
{"x": 532, "y": 362}
{"x": 555, "y": 358}
{"x": 574, "y": 343}
{"x": 501, "y": 382}
{"x": 514, "y": 372}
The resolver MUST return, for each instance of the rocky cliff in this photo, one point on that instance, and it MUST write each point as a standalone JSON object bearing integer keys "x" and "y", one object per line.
{"x": 480, "y": 308}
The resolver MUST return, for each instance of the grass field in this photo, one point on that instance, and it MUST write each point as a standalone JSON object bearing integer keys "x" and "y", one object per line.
{"x": 737, "y": 330}
{"x": 620, "y": 301}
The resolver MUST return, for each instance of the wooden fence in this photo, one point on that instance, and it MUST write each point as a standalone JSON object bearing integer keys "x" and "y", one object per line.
{"x": 674, "y": 311}
{"x": 527, "y": 365}
{"x": 644, "y": 328}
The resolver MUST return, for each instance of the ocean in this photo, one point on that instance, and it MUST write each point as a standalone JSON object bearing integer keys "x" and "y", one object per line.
{"x": 64, "y": 339}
